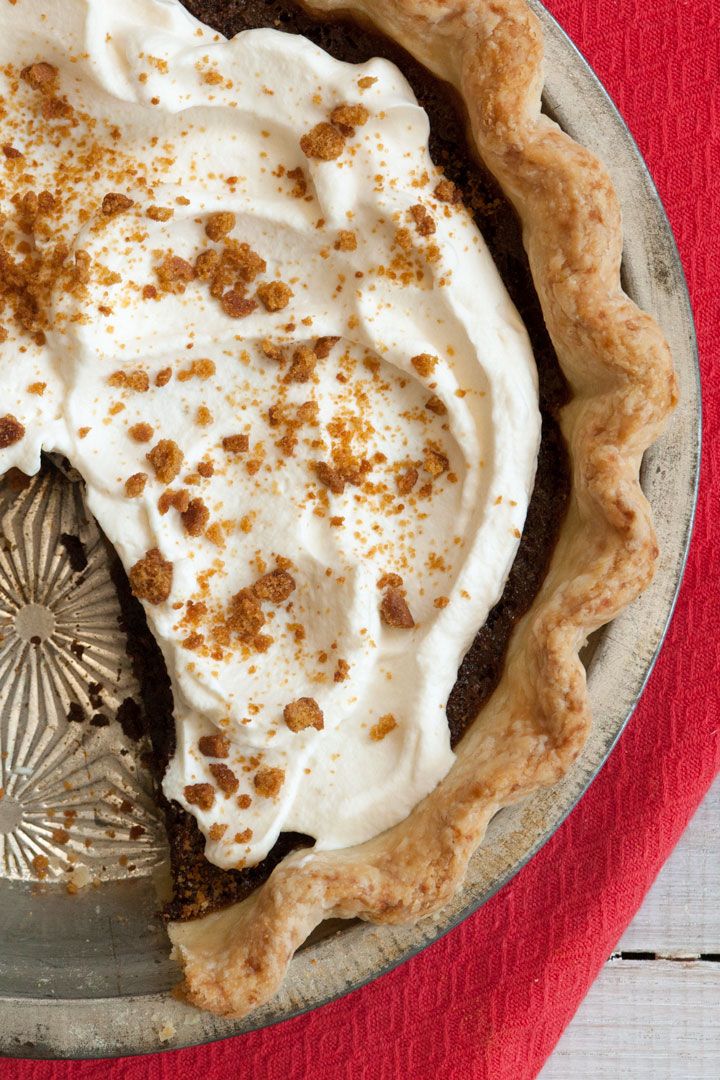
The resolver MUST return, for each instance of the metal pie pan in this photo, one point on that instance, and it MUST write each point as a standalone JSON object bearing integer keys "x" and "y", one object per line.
{"x": 89, "y": 975}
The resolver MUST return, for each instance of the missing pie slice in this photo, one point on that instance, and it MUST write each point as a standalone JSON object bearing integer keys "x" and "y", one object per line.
{"x": 373, "y": 481}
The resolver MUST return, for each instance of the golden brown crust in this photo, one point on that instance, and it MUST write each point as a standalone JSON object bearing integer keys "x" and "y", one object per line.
{"x": 620, "y": 372}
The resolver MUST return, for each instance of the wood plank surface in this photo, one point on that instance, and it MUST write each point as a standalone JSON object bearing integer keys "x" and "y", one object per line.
{"x": 659, "y": 1019}
{"x": 681, "y": 913}
{"x": 645, "y": 1020}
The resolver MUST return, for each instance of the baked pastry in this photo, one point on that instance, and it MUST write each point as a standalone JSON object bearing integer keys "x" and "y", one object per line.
{"x": 301, "y": 264}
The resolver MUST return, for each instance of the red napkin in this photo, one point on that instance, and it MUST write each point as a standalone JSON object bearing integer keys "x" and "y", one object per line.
{"x": 492, "y": 998}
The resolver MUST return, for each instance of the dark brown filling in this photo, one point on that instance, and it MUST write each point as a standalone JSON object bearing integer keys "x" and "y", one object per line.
{"x": 199, "y": 886}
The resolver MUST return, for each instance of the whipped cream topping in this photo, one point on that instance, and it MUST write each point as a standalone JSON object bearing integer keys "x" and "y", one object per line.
{"x": 282, "y": 359}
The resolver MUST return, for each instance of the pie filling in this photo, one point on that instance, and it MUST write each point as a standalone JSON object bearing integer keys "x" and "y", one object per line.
{"x": 257, "y": 315}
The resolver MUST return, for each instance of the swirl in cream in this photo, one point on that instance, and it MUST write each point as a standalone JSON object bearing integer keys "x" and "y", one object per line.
{"x": 381, "y": 479}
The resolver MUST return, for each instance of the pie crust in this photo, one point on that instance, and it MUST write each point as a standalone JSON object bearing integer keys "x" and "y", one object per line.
{"x": 623, "y": 388}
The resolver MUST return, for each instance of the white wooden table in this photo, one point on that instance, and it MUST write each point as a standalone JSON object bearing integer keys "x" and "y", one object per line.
{"x": 654, "y": 1011}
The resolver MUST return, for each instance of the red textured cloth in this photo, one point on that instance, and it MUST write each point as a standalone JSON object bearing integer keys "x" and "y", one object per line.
{"x": 492, "y": 998}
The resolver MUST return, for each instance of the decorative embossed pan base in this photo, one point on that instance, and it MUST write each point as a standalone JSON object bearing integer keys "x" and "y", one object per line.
{"x": 89, "y": 974}
{"x": 75, "y": 790}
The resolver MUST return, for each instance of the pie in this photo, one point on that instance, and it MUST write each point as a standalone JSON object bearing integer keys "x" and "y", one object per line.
{"x": 372, "y": 493}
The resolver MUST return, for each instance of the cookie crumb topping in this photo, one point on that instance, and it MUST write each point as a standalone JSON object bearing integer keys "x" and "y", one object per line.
{"x": 151, "y": 577}
{"x": 424, "y": 221}
{"x": 225, "y": 778}
{"x": 116, "y": 203}
{"x": 346, "y": 240}
{"x": 323, "y": 346}
{"x": 324, "y": 142}
{"x": 276, "y": 586}
{"x": 11, "y": 430}
{"x": 331, "y": 477}
{"x": 424, "y": 364}
{"x": 383, "y": 727}
{"x": 141, "y": 432}
{"x": 304, "y": 360}
{"x": 303, "y": 713}
{"x": 159, "y": 213}
{"x": 195, "y": 518}
{"x": 174, "y": 499}
{"x": 268, "y": 781}
{"x": 348, "y": 117}
{"x": 41, "y": 76}
{"x": 135, "y": 485}
{"x": 407, "y": 480}
{"x": 245, "y": 616}
{"x": 219, "y": 225}
{"x": 236, "y": 304}
{"x": 215, "y": 745}
{"x": 342, "y": 670}
{"x": 166, "y": 458}
{"x": 436, "y": 405}
{"x": 236, "y": 444}
{"x": 200, "y": 795}
{"x": 275, "y": 295}
{"x": 394, "y": 610}
{"x": 174, "y": 274}
{"x": 448, "y": 192}
{"x": 435, "y": 463}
